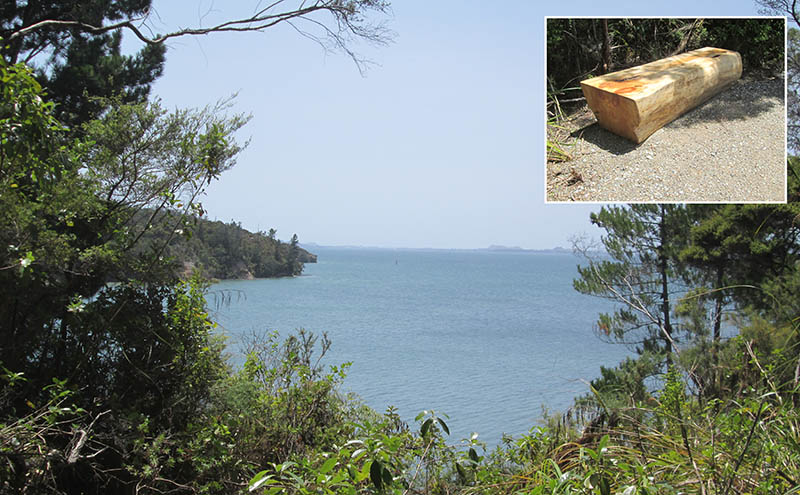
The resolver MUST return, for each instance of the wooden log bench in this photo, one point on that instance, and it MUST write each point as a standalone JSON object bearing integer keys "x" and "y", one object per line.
{"x": 636, "y": 102}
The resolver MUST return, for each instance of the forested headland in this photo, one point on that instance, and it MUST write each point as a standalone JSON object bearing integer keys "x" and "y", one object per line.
{"x": 125, "y": 388}
{"x": 219, "y": 250}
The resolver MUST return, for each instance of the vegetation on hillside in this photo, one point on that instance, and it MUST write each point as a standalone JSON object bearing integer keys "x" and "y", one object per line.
{"x": 219, "y": 250}
{"x": 116, "y": 388}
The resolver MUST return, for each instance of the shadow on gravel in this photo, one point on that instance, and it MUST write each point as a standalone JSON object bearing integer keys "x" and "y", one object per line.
{"x": 743, "y": 100}
{"x": 605, "y": 140}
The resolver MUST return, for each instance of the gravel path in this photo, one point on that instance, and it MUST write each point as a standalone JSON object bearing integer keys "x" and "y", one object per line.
{"x": 730, "y": 149}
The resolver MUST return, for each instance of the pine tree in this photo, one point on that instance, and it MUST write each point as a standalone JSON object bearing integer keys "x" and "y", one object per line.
{"x": 78, "y": 69}
{"x": 640, "y": 271}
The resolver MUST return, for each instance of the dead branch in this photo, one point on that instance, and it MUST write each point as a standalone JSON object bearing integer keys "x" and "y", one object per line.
{"x": 349, "y": 23}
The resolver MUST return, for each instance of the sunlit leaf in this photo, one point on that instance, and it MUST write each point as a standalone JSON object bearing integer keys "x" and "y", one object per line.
{"x": 258, "y": 480}
{"x": 327, "y": 465}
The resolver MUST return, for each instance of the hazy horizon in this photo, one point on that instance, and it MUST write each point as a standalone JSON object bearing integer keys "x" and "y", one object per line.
{"x": 491, "y": 247}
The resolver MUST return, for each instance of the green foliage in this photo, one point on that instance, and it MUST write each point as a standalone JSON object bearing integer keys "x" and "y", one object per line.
{"x": 639, "y": 274}
{"x": 135, "y": 353}
{"x": 760, "y": 42}
{"x": 575, "y": 46}
{"x": 751, "y": 243}
{"x": 793, "y": 86}
{"x": 557, "y": 135}
{"x": 22, "y": 440}
{"x": 78, "y": 66}
{"x": 624, "y": 384}
{"x": 673, "y": 396}
{"x": 723, "y": 404}
{"x": 221, "y": 250}
{"x": 64, "y": 211}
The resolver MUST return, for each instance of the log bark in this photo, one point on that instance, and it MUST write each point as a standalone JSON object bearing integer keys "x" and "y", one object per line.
{"x": 636, "y": 102}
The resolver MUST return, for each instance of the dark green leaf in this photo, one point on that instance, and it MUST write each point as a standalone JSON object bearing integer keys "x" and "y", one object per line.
{"x": 387, "y": 476}
{"x": 375, "y": 474}
{"x": 461, "y": 472}
{"x": 444, "y": 425}
{"x": 425, "y": 426}
{"x": 605, "y": 488}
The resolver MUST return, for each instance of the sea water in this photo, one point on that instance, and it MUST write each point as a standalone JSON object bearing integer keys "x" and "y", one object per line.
{"x": 492, "y": 339}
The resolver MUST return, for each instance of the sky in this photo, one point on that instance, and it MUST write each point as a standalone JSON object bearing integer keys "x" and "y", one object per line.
{"x": 439, "y": 145}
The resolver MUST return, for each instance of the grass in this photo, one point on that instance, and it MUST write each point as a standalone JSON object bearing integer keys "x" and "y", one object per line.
{"x": 558, "y": 136}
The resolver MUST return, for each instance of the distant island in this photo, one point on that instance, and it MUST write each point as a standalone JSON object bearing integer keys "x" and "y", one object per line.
{"x": 224, "y": 251}
{"x": 494, "y": 247}
{"x": 491, "y": 248}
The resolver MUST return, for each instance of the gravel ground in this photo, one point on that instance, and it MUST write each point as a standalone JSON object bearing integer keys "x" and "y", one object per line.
{"x": 730, "y": 149}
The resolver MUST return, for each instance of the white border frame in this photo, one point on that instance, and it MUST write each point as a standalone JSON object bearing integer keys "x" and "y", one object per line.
{"x": 785, "y": 112}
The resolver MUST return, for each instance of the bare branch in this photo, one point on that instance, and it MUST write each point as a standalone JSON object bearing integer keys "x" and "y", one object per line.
{"x": 349, "y": 24}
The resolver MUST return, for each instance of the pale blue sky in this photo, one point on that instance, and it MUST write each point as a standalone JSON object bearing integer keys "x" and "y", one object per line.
{"x": 440, "y": 145}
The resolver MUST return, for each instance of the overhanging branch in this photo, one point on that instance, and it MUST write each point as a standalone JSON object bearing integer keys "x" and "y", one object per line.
{"x": 349, "y": 23}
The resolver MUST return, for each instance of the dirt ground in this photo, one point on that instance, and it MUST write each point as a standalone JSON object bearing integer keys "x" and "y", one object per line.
{"x": 730, "y": 149}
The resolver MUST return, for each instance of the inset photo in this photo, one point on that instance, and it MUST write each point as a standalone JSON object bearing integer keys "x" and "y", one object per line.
{"x": 665, "y": 110}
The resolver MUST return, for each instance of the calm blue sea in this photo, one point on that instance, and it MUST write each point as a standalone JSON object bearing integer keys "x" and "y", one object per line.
{"x": 489, "y": 338}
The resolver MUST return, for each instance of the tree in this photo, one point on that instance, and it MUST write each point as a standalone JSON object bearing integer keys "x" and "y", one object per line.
{"x": 789, "y": 9}
{"x": 793, "y": 89}
{"x": 35, "y": 27}
{"x": 294, "y": 252}
{"x": 68, "y": 208}
{"x": 141, "y": 351}
{"x": 737, "y": 252}
{"x": 579, "y": 48}
{"x": 77, "y": 65}
{"x": 742, "y": 245}
{"x": 76, "y": 204}
{"x": 640, "y": 271}
{"x": 714, "y": 265}
{"x": 79, "y": 226}
{"x": 781, "y": 7}
{"x": 76, "y": 45}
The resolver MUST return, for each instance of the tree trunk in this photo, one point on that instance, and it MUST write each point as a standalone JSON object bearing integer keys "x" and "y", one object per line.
{"x": 606, "y": 62}
{"x": 718, "y": 300}
{"x": 662, "y": 268}
{"x": 686, "y": 39}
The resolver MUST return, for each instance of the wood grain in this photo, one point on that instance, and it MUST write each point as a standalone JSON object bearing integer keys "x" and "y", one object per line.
{"x": 636, "y": 102}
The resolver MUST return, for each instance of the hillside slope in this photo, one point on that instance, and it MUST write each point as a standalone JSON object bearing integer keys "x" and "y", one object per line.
{"x": 222, "y": 250}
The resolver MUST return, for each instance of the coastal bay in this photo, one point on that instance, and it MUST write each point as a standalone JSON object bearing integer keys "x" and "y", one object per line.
{"x": 491, "y": 337}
